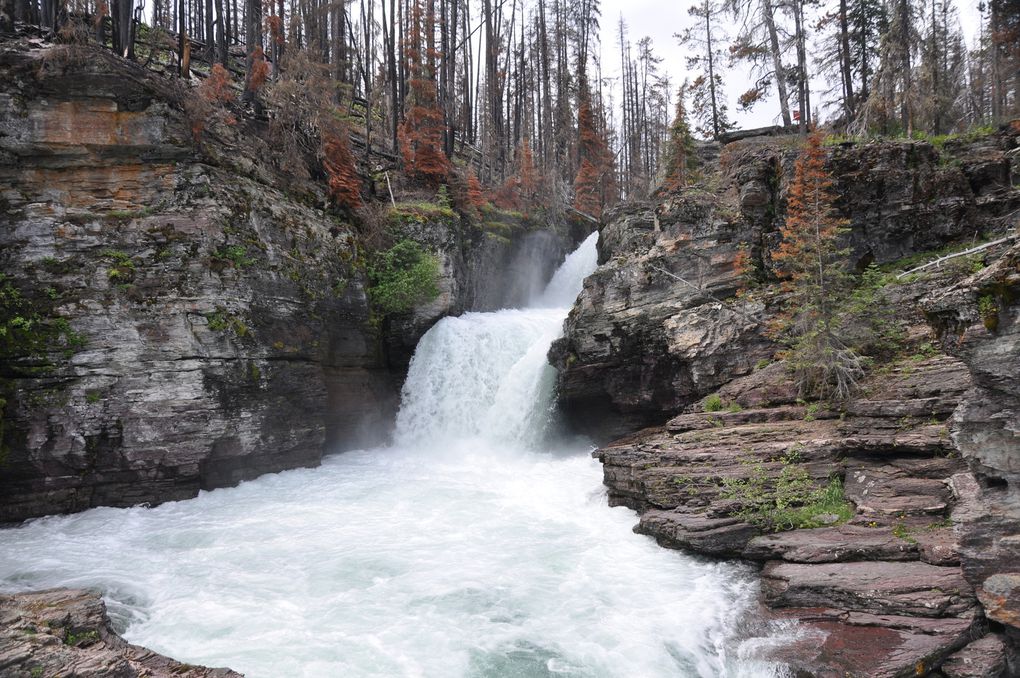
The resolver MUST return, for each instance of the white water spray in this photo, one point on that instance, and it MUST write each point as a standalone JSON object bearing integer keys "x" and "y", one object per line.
{"x": 461, "y": 551}
{"x": 486, "y": 374}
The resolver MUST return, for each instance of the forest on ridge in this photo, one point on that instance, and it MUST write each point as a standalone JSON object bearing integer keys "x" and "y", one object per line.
{"x": 513, "y": 100}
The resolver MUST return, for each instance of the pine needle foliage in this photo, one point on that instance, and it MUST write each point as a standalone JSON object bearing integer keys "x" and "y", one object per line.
{"x": 474, "y": 195}
{"x": 813, "y": 267}
{"x": 594, "y": 175}
{"x": 421, "y": 134}
{"x": 341, "y": 173}
{"x": 259, "y": 70}
{"x": 218, "y": 87}
{"x": 680, "y": 160}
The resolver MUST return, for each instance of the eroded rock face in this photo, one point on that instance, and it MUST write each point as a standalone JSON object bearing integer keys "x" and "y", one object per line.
{"x": 641, "y": 343}
{"x": 979, "y": 321}
{"x": 67, "y": 632}
{"x": 657, "y": 328}
{"x": 225, "y": 326}
{"x": 882, "y": 594}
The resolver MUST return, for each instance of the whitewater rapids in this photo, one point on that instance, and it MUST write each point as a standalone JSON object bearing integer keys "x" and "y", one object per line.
{"x": 474, "y": 546}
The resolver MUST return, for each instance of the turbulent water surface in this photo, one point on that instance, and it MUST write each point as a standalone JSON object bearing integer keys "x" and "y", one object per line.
{"x": 469, "y": 548}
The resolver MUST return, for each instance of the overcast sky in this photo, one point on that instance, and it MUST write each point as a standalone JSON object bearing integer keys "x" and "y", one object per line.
{"x": 660, "y": 20}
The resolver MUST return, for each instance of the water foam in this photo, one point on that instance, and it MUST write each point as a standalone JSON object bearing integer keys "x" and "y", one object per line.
{"x": 486, "y": 374}
{"x": 462, "y": 550}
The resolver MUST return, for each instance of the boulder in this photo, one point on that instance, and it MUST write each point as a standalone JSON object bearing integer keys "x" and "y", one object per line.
{"x": 984, "y": 658}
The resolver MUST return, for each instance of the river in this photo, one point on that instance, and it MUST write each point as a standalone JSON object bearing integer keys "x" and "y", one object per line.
{"x": 479, "y": 544}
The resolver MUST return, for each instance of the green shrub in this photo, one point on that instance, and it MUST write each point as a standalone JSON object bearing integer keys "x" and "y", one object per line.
{"x": 713, "y": 403}
{"x": 236, "y": 255}
{"x": 122, "y": 267}
{"x": 790, "y": 501}
{"x": 83, "y": 639}
{"x": 222, "y": 320}
{"x": 403, "y": 276}
{"x": 443, "y": 197}
{"x": 30, "y": 328}
{"x": 900, "y": 531}
{"x": 989, "y": 311}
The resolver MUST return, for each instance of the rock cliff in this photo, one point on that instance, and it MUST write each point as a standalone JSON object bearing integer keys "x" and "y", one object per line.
{"x": 650, "y": 334}
{"x": 207, "y": 315}
{"x": 979, "y": 321}
{"x": 905, "y": 564}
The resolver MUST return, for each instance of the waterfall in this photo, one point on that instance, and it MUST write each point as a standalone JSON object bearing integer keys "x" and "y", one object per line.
{"x": 463, "y": 550}
{"x": 486, "y": 375}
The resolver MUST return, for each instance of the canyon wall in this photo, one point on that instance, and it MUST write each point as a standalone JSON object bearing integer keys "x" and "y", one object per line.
{"x": 896, "y": 545}
{"x": 190, "y": 317}
{"x": 658, "y": 327}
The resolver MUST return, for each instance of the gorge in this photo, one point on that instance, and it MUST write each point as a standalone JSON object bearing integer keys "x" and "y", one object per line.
{"x": 222, "y": 432}
{"x": 475, "y": 546}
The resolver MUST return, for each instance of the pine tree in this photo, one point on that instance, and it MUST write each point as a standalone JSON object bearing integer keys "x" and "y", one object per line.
{"x": 708, "y": 102}
{"x": 218, "y": 87}
{"x": 846, "y": 52}
{"x": 519, "y": 190}
{"x": 423, "y": 130}
{"x": 680, "y": 160}
{"x": 943, "y": 70}
{"x": 592, "y": 182}
{"x": 256, "y": 67}
{"x": 1004, "y": 39}
{"x": 258, "y": 72}
{"x": 759, "y": 44}
{"x": 813, "y": 269}
{"x": 475, "y": 197}
{"x": 341, "y": 174}
{"x": 527, "y": 175}
{"x": 894, "y": 100}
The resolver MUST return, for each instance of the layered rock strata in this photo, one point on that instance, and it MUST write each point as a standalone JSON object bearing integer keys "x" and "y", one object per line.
{"x": 66, "y": 632}
{"x": 657, "y": 328}
{"x": 219, "y": 311}
{"x": 882, "y": 594}
{"x": 917, "y": 577}
{"x": 979, "y": 321}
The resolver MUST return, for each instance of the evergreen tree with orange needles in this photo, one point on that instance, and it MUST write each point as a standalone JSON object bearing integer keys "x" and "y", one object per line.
{"x": 594, "y": 175}
{"x": 527, "y": 174}
{"x": 341, "y": 174}
{"x": 218, "y": 88}
{"x": 475, "y": 196}
{"x": 421, "y": 134}
{"x": 259, "y": 71}
{"x": 519, "y": 191}
{"x": 812, "y": 265}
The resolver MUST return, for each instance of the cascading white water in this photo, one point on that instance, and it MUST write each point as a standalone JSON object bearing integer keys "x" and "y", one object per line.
{"x": 486, "y": 374}
{"x": 462, "y": 550}
{"x": 568, "y": 280}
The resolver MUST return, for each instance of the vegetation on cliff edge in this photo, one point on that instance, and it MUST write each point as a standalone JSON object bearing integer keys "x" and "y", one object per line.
{"x": 402, "y": 276}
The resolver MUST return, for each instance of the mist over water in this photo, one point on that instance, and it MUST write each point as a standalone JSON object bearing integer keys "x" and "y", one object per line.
{"x": 472, "y": 547}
